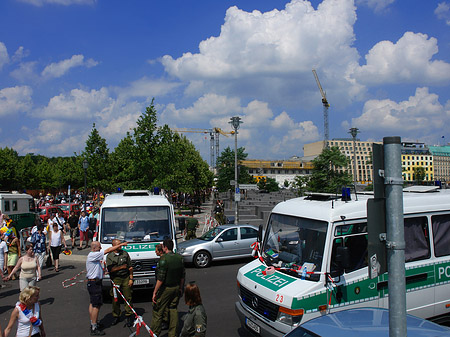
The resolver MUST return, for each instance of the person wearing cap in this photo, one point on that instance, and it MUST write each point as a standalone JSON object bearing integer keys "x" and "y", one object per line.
{"x": 118, "y": 263}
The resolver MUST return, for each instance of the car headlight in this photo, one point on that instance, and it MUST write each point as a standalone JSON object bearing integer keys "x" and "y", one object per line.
{"x": 181, "y": 250}
{"x": 290, "y": 316}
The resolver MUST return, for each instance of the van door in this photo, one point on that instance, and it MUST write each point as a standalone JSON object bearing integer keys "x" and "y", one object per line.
{"x": 441, "y": 245}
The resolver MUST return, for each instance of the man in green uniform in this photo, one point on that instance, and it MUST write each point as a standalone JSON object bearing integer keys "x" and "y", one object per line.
{"x": 192, "y": 225}
{"x": 168, "y": 289}
{"x": 120, "y": 270}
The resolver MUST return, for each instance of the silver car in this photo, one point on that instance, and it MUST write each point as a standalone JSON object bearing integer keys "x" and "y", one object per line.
{"x": 220, "y": 243}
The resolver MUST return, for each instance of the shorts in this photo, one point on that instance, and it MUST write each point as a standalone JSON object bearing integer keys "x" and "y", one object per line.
{"x": 73, "y": 232}
{"x": 12, "y": 259}
{"x": 55, "y": 252}
{"x": 83, "y": 236}
{"x": 95, "y": 293}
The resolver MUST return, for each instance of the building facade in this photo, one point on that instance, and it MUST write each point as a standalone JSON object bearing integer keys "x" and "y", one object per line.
{"x": 362, "y": 151}
{"x": 415, "y": 156}
{"x": 441, "y": 162}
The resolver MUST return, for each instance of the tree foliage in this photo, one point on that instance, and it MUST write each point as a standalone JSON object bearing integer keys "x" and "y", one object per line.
{"x": 268, "y": 185}
{"x": 225, "y": 169}
{"x": 150, "y": 156}
{"x": 327, "y": 175}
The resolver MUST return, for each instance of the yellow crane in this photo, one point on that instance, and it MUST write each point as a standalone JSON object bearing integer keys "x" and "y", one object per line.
{"x": 326, "y": 105}
{"x": 214, "y": 140}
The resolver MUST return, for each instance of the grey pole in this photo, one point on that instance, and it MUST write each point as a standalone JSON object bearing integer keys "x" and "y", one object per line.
{"x": 236, "y": 122}
{"x": 395, "y": 236}
{"x": 354, "y": 133}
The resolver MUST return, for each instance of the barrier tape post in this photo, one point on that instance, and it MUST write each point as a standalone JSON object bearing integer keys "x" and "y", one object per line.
{"x": 139, "y": 322}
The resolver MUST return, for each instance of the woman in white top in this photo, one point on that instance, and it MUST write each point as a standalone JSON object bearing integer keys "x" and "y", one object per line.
{"x": 55, "y": 241}
{"x": 27, "y": 314}
{"x": 29, "y": 267}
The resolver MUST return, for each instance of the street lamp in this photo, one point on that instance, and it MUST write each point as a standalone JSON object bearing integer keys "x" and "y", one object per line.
{"x": 85, "y": 166}
{"x": 235, "y": 123}
{"x": 354, "y": 132}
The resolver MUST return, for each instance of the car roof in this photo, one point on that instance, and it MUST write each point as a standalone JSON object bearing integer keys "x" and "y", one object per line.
{"x": 368, "y": 322}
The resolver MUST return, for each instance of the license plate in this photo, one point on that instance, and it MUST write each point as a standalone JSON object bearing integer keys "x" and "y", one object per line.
{"x": 253, "y": 326}
{"x": 141, "y": 281}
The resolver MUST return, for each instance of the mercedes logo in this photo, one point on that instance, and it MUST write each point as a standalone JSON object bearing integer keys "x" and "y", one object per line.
{"x": 255, "y": 302}
{"x": 137, "y": 266}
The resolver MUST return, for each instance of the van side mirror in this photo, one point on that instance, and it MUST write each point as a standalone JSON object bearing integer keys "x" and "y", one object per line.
{"x": 340, "y": 262}
{"x": 260, "y": 232}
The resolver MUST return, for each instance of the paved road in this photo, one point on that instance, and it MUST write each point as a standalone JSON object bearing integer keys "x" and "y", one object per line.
{"x": 65, "y": 310}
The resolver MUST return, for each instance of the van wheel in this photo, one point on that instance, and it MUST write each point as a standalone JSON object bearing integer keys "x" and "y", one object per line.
{"x": 202, "y": 259}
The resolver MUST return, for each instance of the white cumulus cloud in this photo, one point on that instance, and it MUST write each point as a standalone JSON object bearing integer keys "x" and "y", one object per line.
{"x": 376, "y": 5}
{"x": 442, "y": 12}
{"x": 419, "y": 116}
{"x": 409, "y": 60}
{"x": 15, "y": 100}
{"x": 58, "y": 69}
{"x": 40, "y": 3}
{"x": 4, "y": 57}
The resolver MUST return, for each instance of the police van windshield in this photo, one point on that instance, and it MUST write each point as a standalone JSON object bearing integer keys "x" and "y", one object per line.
{"x": 135, "y": 224}
{"x": 295, "y": 245}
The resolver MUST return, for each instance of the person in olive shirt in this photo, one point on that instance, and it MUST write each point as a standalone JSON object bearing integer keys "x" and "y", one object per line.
{"x": 168, "y": 289}
{"x": 195, "y": 320}
{"x": 191, "y": 228}
{"x": 118, "y": 263}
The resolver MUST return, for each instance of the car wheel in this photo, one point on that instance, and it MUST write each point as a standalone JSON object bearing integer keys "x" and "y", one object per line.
{"x": 202, "y": 259}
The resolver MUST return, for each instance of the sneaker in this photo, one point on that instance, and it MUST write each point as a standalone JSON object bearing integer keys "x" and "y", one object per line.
{"x": 97, "y": 332}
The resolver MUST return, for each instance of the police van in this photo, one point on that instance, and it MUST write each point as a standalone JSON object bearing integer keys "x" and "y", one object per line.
{"x": 19, "y": 207}
{"x": 300, "y": 272}
{"x": 142, "y": 219}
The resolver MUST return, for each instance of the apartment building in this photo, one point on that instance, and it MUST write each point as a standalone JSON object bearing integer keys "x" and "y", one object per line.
{"x": 415, "y": 155}
{"x": 441, "y": 162}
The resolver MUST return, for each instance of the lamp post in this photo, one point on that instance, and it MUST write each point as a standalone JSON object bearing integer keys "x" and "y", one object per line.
{"x": 85, "y": 166}
{"x": 235, "y": 123}
{"x": 354, "y": 132}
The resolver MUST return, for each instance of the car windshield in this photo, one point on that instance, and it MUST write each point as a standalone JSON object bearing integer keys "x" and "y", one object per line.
{"x": 295, "y": 245}
{"x": 137, "y": 224}
{"x": 64, "y": 207}
{"x": 211, "y": 234}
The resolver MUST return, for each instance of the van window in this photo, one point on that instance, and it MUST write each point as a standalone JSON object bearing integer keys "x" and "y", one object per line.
{"x": 357, "y": 246}
{"x": 14, "y": 205}
{"x": 441, "y": 234}
{"x": 6, "y": 207}
{"x": 417, "y": 243}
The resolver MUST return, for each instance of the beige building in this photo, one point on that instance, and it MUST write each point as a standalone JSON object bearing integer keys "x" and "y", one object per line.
{"x": 441, "y": 162}
{"x": 363, "y": 153}
{"x": 280, "y": 170}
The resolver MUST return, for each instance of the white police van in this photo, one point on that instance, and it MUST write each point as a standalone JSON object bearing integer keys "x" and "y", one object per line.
{"x": 299, "y": 274}
{"x": 142, "y": 219}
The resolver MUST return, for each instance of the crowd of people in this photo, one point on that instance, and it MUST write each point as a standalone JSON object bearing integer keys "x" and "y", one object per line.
{"x": 46, "y": 243}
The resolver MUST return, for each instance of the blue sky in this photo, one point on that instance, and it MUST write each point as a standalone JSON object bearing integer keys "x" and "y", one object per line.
{"x": 66, "y": 64}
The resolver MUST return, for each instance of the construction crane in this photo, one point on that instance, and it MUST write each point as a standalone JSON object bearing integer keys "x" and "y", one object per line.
{"x": 214, "y": 140}
{"x": 326, "y": 105}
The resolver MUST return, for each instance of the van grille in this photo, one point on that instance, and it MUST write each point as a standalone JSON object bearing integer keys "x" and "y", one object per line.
{"x": 259, "y": 304}
{"x": 144, "y": 266}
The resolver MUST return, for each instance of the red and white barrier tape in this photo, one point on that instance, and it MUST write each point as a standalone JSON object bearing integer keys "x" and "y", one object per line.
{"x": 73, "y": 278}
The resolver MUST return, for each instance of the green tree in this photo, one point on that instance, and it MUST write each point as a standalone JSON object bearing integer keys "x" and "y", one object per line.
{"x": 96, "y": 153}
{"x": 268, "y": 185}
{"x": 301, "y": 184}
{"x": 326, "y": 176}
{"x": 123, "y": 165}
{"x": 45, "y": 174}
{"x": 419, "y": 174}
{"x": 225, "y": 169}
{"x": 146, "y": 141}
{"x": 27, "y": 171}
{"x": 9, "y": 160}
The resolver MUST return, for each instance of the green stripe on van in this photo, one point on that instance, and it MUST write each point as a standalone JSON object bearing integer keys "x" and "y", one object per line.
{"x": 273, "y": 282}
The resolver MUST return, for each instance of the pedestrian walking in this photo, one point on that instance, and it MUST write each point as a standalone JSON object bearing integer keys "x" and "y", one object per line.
{"x": 168, "y": 289}
{"x": 29, "y": 268}
{"x": 159, "y": 251}
{"x": 83, "y": 226}
{"x": 94, "y": 275}
{"x": 14, "y": 252}
{"x": 118, "y": 263}
{"x": 55, "y": 242}
{"x": 3, "y": 254}
{"x": 27, "y": 314}
{"x": 73, "y": 227}
{"x": 59, "y": 220}
{"x": 195, "y": 320}
{"x": 38, "y": 239}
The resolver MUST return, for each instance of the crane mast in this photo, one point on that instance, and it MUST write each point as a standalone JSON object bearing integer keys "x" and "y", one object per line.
{"x": 326, "y": 105}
